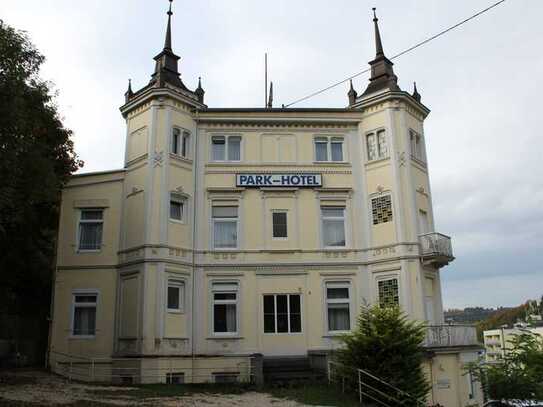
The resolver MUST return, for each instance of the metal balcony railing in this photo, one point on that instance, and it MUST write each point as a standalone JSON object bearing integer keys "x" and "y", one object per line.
{"x": 436, "y": 247}
{"x": 442, "y": 336}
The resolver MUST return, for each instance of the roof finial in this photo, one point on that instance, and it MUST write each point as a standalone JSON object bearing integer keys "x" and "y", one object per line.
{"x": 200, "y": 91}
{"x": 416, "y": 94}
{"x": 352, "y": 94}
{"x": 128, "y": 94}
{"x": 378, "y": 42}
{"x": 270, "y": 99}
{"x": 168, "y": 41}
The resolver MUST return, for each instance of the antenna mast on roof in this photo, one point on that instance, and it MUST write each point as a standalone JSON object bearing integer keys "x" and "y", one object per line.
{"x": 265, "y": 79}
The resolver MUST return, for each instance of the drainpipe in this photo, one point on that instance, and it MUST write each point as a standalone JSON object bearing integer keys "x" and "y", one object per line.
{"x": 195, "y": 206}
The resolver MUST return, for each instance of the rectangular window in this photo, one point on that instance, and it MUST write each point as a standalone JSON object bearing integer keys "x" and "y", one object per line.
{"x": 177, "y": 207}
{"x": 338, "y": 306}
{"x": 185, "y": 144}
{"x": 175, "y": 378}
{"x": 381, "y": 209}
{"x": 333, "y": 226}
{"x": 226, "y": 148}
{"x": 90, "y": 229}
{"x": 84, "y": 314}
{"x": 226, "y": 377}
{"x": 389, "y": 295}
{"x": 225, "y": 303}
{"x": 329, "y": 149}
{"x": 282, "y": 313}
{"x": 176, "y": 136}
{"x": 225, "y": 227}
{"x": 416, "y": 146}
{"x": 376, "y": 144}
{"x": 279, "y": 224}
{"x": 176, "y": 295}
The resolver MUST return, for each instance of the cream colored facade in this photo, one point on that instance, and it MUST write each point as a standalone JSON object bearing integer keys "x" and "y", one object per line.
{"x": 377, "y": 190}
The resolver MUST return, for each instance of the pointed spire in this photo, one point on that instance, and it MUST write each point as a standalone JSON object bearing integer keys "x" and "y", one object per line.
{"x": 352, "y": 94}
{"x": 200, "y": 91}
{"x": 378, "y": 42}
{"x": 382, "y": 73}
{"x": 416, "y": 94}
{"x": 128, "y": 94}
{"x": 270, "y": 98}
{"x": 168, "y": 40}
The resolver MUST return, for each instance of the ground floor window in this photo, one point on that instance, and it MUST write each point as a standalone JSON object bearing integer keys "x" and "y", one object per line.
{"x": 226, "y": 377}
{"x": 338, "y": 306}
{"x": 84, "y": 314}
{"x": 175, "y": 378}
{"x": 225, "y": 305}
{"x": 282, "y": 313}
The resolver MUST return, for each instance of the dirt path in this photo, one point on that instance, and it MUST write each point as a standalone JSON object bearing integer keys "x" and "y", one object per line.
{"x": 33, "y": 388}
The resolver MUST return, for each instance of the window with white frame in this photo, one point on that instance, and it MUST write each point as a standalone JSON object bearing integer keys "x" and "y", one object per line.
{"x": 376, "y": 144}
{"x": 389, "y": 294}
{"x": 416, "y": 146}
{"x": 177, "y": 208}
{"x": 329, "y": 149}
{"x": 338, "y": 306}
{"x": 279, "y": 224}
{"x": 90, "y": 229}
{"x": 333, "y": 226}
{"x": 176, "y": 296}
{"x": 381, "y": 209}
{"x": 226, "y": 148}
{"x": 225, "y": 227}
{"x": 180, "y": 144}
{"x": 225, "y": 307}
{"x": 84, "y": 314}
{"x": 282, "y": 313}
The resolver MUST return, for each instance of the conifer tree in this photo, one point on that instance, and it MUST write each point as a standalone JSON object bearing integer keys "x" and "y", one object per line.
{"x": 389, "y": 346}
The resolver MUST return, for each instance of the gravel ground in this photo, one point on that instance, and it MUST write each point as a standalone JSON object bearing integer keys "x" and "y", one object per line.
{"x": 31, "y": 388}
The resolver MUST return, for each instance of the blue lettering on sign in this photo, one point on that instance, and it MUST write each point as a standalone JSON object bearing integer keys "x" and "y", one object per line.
{"x": 278, "y": 180}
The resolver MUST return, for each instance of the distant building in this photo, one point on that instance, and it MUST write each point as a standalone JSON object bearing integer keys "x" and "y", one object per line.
{"x": 233, "y": 233}
{"x": 498, "y": 341}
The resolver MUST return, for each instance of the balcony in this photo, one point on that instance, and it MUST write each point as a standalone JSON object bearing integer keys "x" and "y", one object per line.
{"x": 436, "y": 249}
{"x": 446, "y": 336}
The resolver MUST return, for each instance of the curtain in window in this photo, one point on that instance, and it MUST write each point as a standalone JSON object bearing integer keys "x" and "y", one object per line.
{"x": 337, "y": 150}
{"x": 219, "y": 148}
{"x": 334, "y": 232}
{"x": 382, "y": 142}
{"x": 321, "y": 150}
{"x": 84, "y": 321}
{"x": 372, "y": 147}
{"x": 338, "y": 317}
{"x": 234, "y": 148}
{"x": 176, "y": 210}
{"x": 224, "y": 318}
{"x": 90, "y": 236}
{"x": 225, "y": 234}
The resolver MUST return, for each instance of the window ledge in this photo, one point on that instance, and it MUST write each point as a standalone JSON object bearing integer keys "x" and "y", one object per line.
{"x": 85, "y": 337}
{"x": 175, "y": 311}
{"x": 332, "y": 163}
{"x": 179, "y": 222}
{"x": 337, "y": 334}
{"x": 377, "y": 161}
{"x": 224, "y": 337}
{"x": 181, "y": 158}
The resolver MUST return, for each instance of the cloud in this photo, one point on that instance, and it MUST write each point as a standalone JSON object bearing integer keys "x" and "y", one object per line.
{"x": 481, "y": 81}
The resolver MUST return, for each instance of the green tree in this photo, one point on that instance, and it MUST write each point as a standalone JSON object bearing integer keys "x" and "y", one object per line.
{"x": 389, "y": 346}
{"x": 518, "y": 375}
{"x": 36, "y": 159}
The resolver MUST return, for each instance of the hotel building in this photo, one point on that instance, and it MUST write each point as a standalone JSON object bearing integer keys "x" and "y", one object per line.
{"x": 233, "y": 236}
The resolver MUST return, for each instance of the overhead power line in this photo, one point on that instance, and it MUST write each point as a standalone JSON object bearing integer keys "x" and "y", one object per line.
{"x": 433, "y": 37}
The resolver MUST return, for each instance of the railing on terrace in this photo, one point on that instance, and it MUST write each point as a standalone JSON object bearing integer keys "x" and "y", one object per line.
{"x": 369, "y": 387}
{"x": 173, "y": 370}
{"x": 436, "y": 247}
{"x": 439, "y": 336}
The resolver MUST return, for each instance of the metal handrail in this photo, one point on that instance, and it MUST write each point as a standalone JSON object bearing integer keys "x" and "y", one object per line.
{"x": 361, "y": 384}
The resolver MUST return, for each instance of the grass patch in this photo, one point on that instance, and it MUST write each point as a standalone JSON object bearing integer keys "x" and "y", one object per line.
{"x": 315, "y": 394}
{"x": 144, "y": 391}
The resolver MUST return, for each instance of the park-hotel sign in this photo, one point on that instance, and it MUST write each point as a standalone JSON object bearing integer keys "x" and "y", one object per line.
{"x": 279, "y": 180}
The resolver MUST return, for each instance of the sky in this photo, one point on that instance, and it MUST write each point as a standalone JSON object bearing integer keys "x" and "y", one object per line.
{"x": 481, "y": 81}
